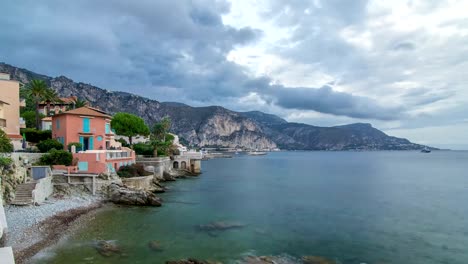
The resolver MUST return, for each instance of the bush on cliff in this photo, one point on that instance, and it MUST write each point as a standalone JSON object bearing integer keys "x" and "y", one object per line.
{"x": 143, "y": 149}
{"x": 5, "y": 143}
{"x": 46, "y": 145}
{"x": 134, "y": 170}
{"x": 57, "y": 157}
{"x": 35, "y": 136}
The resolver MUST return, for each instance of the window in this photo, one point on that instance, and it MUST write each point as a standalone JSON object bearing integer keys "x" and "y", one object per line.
{"x": 107, "y": 128}
{"x": 57, "y": 124}
{"x": 86, "y": 125}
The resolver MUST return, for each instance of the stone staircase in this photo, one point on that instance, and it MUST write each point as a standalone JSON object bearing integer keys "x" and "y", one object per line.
{"x": 23, "y": 194}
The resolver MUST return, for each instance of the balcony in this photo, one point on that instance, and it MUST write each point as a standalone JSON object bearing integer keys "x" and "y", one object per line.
{"x": 118, "y": 154}
{"x": 3, "y": 123}
{"x": 22, "y": 103}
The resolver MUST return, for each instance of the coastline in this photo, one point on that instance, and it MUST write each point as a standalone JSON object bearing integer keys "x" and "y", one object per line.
{"x": 35, "y": 228}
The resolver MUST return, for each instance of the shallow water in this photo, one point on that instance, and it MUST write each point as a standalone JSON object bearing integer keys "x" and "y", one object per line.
{"x": 351, "y": 207}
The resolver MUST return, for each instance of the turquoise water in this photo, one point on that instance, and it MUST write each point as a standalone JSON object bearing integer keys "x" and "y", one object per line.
{"x": 351, "y": 207}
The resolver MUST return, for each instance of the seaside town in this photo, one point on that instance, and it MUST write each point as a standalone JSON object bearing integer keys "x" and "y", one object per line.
{"x": 61, "y": 158}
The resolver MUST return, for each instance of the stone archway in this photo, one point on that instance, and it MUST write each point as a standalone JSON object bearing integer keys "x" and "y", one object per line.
{"x": 175, "y": 165}
{"x": 183, "y": 165}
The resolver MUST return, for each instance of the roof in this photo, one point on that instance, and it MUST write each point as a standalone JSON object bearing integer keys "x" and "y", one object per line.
{"x": 86, "y": 111}
{"x": 64, "y": 100}
{"x": 48, "y": 118}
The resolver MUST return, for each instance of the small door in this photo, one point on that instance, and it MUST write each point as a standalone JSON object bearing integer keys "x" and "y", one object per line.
{"x": 83, "y": 166}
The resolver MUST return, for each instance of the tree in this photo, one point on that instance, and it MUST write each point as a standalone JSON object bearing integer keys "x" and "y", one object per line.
{"x": 77, "y": 104}
{"x": 5, "y": 143}
{"x": 161, "y": 128}
{"x": 37, "y": 91}
{"x": 30, "y": 118}
{"x": 129, "y": 125}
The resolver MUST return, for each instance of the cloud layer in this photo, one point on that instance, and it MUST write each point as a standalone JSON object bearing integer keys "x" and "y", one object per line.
{"x": 397, "y": 64}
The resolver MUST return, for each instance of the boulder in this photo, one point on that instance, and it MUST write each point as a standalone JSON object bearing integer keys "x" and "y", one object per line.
{"x": 191, "y": 261}
{"x": 119, "y": 194}
{"x": 168, "y": 177}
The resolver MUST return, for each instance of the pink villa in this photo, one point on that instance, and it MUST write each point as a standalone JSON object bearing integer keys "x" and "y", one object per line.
{"x": 100, "y": 152}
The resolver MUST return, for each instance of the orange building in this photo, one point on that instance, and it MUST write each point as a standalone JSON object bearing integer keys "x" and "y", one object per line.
{"x": 10, "y": 104}
{"x": 100, "y": 152}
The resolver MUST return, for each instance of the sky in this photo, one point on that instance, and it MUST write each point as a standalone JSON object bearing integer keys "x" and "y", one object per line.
{"x": 399, "y": 65}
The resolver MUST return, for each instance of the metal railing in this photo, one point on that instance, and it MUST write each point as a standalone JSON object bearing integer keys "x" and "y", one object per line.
{"x": 118, "y": 155}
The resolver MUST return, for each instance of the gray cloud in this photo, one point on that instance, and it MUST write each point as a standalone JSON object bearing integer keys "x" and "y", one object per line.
{"x": 176, "y": 50}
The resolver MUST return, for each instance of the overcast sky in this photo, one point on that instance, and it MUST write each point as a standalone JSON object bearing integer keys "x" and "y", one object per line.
{"x": 400, "y": 65}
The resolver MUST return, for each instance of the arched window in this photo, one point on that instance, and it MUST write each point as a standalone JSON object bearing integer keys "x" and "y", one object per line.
{"x": 175, "y": 165}
{"x": 183, "y": 165}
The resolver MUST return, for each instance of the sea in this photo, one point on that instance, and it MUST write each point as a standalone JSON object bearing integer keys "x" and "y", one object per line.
{"x": 376, "y": 207}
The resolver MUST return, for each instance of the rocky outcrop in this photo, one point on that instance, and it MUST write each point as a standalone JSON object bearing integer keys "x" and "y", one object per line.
{"x": 107, "y": 248}
{"x": 119, "y": 194}
{"x": 215, "y": 126}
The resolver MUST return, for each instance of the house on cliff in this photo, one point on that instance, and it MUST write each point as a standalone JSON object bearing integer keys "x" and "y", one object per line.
{"x": 91, "y": 127}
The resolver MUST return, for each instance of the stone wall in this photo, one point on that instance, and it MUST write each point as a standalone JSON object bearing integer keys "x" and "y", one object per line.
{"x": 140, "y": 183}
{"x": 157, "y": 165}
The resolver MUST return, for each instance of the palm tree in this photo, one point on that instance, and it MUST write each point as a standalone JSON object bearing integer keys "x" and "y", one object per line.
{"x": 38, "y": 91}
{"x": 50, "y": 96}
{"x": 79, "y": 103}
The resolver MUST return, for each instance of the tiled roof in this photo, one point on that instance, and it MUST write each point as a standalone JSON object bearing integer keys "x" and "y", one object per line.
{"x": 65, "y": 100}
{"x": 86, "y": 111}
{"x": 48, "y": 118}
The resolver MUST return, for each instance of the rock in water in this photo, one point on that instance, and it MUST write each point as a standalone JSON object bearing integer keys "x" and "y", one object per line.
{"x": 107, "y": 248}
{"x": 316, "y": 260}
{"x": 187, "y": 261}
{"x": 155, "y": 245}
{"x": 220, "y": 226}
{"x": 120, "y": 194}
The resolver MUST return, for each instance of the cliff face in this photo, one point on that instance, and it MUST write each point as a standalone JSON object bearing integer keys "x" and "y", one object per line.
{"x": 217, "y": 126}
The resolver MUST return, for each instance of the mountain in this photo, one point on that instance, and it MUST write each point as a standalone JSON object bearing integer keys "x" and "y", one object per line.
{"x": 218, "y": 126}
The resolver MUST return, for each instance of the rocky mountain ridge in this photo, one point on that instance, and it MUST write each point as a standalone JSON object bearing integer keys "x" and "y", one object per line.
{"x": 215, "y": 126}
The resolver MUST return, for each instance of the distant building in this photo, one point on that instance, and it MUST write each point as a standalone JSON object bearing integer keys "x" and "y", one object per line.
{"x": 100, "y": 152}
{"x": 10, "y": 104}
{"x": 53, "y": 108}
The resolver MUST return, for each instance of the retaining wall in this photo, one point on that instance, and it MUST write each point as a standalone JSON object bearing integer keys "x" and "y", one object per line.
{"x": 142, "y": 183}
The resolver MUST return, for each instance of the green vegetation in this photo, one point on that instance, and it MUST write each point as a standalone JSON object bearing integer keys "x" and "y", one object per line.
{"x": 143, "y": 149}
{"x": 161, "y": 140}
{"x": 57, "y": 157}
{"x": 134, "y": 170}
{"x": 5, "y": 161}
{"x": 37, "y": 91}
{"x": 48, "y": 144}
{"x": 123, "y": 142}
{"x": 35, "y": 136}
{"x": 78, "y": 146}
{"x": 129, "y": 125}
{"x": 78, "y": 103}
{"x": 30, "y": 118}
{"x": 5, "y": 143}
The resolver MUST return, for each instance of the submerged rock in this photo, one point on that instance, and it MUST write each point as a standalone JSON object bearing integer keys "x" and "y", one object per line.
{"x": 120, "y": 194}
{"x": 220, "y": 226}
{"x": 155, "y": 245}
{"x": 188, "y": 261}
{"x": 316, "y": 260}
{"x": 268, "y": 260}
{"x": 107, "y": 248}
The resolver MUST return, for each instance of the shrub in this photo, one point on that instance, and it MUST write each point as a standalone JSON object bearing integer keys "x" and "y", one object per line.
{"x": 5, "y": 143}
{"x": 30, "y": 118}
{"x": 36, "y": 136}
{"x": 143, "y": 149}
{"x": 5, "y": 161}
{"x": 57, "y": 157}
{"x": 46, "y": 145}
{"x": 78, "y": 146}
{"x": 134, "y": 170}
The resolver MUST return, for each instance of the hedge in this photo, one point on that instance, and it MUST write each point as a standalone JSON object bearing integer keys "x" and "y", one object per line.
{"x": 36, "y": 136}
{"x": 57, "y": 157}
{"x": 48, "y": 144}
